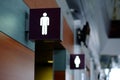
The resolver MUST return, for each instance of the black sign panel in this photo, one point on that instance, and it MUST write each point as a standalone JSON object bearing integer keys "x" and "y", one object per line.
{"x": 77, "y": 61}
{"x": 45, "y": 24}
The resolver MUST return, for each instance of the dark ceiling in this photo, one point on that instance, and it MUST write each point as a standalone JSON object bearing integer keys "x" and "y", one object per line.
{"x": 44, "y": 50}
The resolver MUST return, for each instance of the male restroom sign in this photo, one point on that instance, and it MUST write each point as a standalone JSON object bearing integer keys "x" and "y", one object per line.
{"x": 45, "y": 24}
{"x": 77, "y": 61}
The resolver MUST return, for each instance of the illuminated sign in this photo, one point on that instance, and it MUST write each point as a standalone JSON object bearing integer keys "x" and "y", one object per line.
{"x": 45, "y": 24}
{"x": 77, "y": 61}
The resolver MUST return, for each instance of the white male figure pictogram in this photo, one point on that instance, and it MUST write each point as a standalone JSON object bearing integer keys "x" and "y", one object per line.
{"x": 44, "y": 22}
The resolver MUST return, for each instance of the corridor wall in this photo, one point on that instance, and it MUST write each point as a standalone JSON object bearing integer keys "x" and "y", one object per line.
{"x": 14, "y": 15}
{"x": 16, "y": 61}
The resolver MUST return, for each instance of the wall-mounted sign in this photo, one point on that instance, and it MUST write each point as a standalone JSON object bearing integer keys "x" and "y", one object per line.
{"x": 45, "y": 24}
{"x": 77, "y": 61}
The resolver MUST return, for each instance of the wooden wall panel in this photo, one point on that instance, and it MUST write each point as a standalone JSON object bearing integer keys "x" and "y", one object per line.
{"x": 68, "y": 37}
{"x": 59, "y": 75}
{"x": 16, "y": 61}
{"x": 41, "y": 3}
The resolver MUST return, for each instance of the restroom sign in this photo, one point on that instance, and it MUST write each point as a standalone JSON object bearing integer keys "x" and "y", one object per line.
{"x": 77, "y": 61}
{"x": 45, "y": 24}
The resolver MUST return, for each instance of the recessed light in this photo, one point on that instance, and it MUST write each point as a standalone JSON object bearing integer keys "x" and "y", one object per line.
{"x": 50, "y": 61}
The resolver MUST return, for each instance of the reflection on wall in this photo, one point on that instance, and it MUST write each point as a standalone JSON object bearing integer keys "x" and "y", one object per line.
{"x": 13, "y": 20}
{"x": 44, "y": 72}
